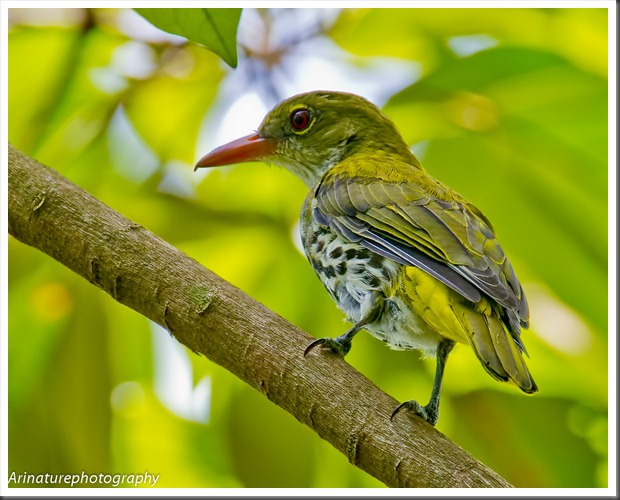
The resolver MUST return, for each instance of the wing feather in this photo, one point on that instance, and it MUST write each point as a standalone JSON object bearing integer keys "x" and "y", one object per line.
{"x": 411, "y": 218}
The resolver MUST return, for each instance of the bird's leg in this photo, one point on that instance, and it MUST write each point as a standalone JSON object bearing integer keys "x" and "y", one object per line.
{"x": 342, "y": 345}
{"x": 430, "y": 412}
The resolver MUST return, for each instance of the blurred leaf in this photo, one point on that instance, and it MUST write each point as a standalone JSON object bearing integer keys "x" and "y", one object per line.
{"x": 533, "y": 447}
{"x": 167, "y": 109}
{"x": 38, "y": 59}
{"x": 478, "y": 71}
{"x": 147, "y": 436}
{"x": 282, "y": 462}
{"x": 216, "y": 29}
{"x": 34, "y": 300}
{"x": 82, "y": 109}
{"x": 580, "y": 35}
{"x": 67, "y": 417}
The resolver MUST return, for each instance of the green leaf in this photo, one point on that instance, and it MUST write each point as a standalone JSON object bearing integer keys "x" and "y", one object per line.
{"x": 216, "y": 29}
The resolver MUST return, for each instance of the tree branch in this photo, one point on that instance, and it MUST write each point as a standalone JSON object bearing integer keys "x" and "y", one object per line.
{"x": 213, "y": 318}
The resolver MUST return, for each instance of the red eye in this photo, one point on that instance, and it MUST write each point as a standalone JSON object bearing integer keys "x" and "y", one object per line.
{"x": 300, "y": 119}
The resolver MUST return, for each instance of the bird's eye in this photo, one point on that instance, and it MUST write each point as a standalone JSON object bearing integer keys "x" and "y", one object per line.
{"x": 300, "y": 119}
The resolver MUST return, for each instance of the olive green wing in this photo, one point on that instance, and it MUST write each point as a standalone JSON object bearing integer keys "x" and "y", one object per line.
{"x": 399, "y": 211}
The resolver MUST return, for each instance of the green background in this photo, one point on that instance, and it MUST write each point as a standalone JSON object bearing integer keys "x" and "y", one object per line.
{"x": 519, "y": 128}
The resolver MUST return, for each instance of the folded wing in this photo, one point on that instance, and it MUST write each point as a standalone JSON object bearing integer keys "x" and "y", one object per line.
{"x": 398, "y": 211}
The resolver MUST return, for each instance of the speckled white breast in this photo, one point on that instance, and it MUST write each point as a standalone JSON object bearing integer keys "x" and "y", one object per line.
{"x": 356, "y": 277}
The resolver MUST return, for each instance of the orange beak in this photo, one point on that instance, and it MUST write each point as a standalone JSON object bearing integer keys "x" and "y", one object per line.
{"x": 249, "y": 148}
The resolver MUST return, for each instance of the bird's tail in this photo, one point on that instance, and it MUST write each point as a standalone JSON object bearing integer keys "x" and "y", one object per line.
{"x": 496, "y": 349}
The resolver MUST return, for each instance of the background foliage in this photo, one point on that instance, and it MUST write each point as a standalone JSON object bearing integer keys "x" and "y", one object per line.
{"x": 514, "y": 119}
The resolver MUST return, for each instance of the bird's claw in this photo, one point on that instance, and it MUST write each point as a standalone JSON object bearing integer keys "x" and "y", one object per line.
{"x": 338, "y": 346}
{"x": 430, "y": 412}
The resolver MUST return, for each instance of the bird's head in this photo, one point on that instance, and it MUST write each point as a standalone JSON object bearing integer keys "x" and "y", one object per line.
{"x": 309, "y": 133}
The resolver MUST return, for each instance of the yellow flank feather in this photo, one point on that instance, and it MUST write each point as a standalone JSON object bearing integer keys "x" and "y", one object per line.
{"x": 433, "y": 301}
{"x": 475, "y": 324}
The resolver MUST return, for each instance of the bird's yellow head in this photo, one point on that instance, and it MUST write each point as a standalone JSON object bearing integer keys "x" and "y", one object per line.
{"x": 309, "y": 133}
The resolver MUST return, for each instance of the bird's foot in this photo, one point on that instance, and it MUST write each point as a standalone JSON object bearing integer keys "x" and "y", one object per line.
{"x": 340, "y": 345}
{"x": 430, "y": 412}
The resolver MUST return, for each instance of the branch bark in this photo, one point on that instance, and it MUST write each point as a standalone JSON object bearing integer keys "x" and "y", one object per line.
{"x": 215, "y": 319}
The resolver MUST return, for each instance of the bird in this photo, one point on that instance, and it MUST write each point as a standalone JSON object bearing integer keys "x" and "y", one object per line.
{"x": 405, "y": 257}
